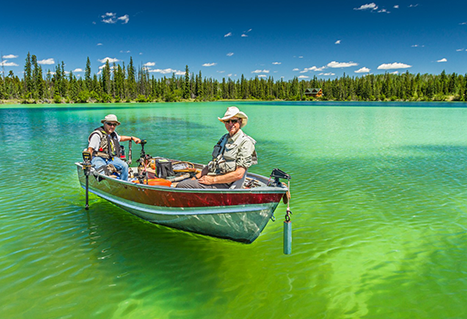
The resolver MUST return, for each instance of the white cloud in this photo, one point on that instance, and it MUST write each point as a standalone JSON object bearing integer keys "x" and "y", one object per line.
{"x": 337, "y": 42}
{"x": 128, "y": 51}
{"x": 167, "y": 71}
{"x": 296, "y": 69}
{"x": 228, "y": 35}
{"x": 99, "y": 44}
{"x": 262, "y": 76}
{"x": 10, "y": 56}
{"x": 47, "y": 61}
{"x": 458, "y": 50}
{"x": 150, "y": 64}
{"x": 6, "y": 63}
{"x": 111, "y": 18}
{"x": 260, "y": 71}
{"x": 443, "y": 60}
{"x": 395, "y": 72}
{"x": 413, "y": 5}
{"x": 418, "y": 46}
{"x": 335, "y": 64}
{"x": 111, "y": 60}
{"x": 303, "y": 77}
{"x": 327, "y": 74}
{"x": 300, "y": 57}
{"x": 220, "y": 72}
{"x": 78, "y": 70}
{"x": 124, "y": 18}
{"x": 209, "y": 64}
{"x": 369, "y": 6}
{"x": 230, "y": 54}
{"x": 383, "y": 11}
{"x": 276, "y": 63}
{"x": 396, "y": 6}
{"x": 395, "y": 65}
{"x": 463, "y": 23}
{"x": 363, "y": 70}
{"x": 244, "y": 35}
{"x": 313, "y": 68}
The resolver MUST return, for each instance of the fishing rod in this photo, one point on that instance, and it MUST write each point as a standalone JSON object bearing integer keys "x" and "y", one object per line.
{"x": 129, "y": 152}
{"x": 143, "y": 160}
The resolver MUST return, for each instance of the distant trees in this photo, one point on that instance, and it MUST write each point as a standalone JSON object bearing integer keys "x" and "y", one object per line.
{"x": 120, "y": 83}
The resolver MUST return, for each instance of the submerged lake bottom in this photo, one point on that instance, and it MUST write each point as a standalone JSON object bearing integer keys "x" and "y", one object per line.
{"x": 379, "y": 216}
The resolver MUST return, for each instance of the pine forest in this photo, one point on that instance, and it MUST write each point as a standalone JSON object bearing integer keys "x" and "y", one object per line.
{"x": 126, "y": 83}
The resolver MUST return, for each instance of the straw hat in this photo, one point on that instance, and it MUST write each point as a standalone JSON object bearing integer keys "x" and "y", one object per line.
{"x": 233, "y": 111}
{"x": 110, "y": 118}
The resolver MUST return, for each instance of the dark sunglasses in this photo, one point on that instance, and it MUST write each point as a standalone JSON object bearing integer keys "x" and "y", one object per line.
{"x": 232, "y": 121}
{"x": 111, "y": 124}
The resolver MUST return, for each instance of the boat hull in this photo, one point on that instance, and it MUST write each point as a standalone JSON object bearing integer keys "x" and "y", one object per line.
{"x": 239, "y": 215}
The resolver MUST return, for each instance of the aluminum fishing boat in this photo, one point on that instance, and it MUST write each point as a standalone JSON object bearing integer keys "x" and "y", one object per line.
{"x": 238, "y": 214}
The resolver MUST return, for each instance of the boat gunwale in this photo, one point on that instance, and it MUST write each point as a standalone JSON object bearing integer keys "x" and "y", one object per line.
{"x": 258, "y": 190}
{"x": 184, "y": 211}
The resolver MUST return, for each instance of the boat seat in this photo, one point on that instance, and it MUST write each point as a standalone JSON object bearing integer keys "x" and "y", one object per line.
{"x": 239, "y": 183}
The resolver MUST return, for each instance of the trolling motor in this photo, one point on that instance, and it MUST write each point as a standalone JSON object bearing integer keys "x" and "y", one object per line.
{"x": 87, "y": 171}
{"x": 143, "y": 162}
{"x": 278, "y": 174}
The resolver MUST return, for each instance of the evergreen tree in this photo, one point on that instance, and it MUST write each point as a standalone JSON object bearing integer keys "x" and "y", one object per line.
{"x": 131, "y": 81}
{"x": 28, "y": 76}
{"x": 186, "y": 87}
{"x": 87, "y": 75}
{"x": 106, "y": 84}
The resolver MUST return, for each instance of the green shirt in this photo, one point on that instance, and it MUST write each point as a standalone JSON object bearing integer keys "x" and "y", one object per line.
{"x": 232, "y": 152}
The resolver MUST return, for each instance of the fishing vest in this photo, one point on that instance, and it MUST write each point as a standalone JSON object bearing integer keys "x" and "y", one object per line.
{"x": 224, "y": 155}
{"x": 109, "y": 146}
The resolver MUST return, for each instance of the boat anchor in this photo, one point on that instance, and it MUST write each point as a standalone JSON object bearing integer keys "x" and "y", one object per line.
{"x": 278, "y": 174}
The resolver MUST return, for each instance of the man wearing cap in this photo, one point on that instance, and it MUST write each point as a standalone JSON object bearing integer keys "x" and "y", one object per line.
{"x": 232, "y": 155}
{"x": 105, "y": 147}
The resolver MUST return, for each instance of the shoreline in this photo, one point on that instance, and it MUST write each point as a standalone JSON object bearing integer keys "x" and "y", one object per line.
{"x": 52, "y": 102}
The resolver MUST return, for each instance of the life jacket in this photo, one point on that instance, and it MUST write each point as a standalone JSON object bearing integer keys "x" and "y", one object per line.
{"x": 224, "y": 155}
{"x": 109, "y": 146}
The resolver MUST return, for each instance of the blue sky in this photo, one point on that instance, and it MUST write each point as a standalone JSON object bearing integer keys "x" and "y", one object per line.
{"x": 282, "y": 39}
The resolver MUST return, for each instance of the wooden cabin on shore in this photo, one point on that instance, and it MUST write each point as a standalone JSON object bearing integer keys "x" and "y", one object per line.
{"x": 314, "y": 92}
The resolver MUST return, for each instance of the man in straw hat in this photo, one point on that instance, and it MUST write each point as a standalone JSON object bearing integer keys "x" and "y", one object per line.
{"x": 232, "y": 155}
{"x": 105, "y": 147}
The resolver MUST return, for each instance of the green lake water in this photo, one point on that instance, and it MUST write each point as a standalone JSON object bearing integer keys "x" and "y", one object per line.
{"x": 379, "y": 204}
